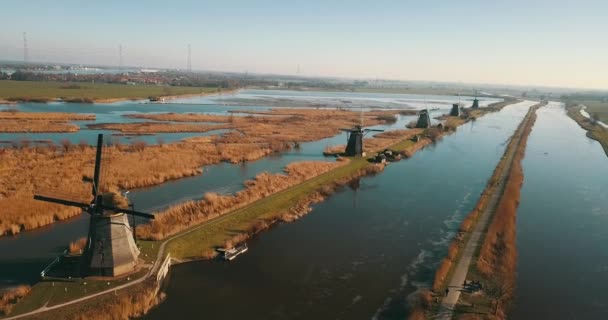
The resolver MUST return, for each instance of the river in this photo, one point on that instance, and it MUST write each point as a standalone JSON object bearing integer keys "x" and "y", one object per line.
{"x": 561, "y": 223}
{"x": 23, "y": 256}
{"x": 360, "y": 253}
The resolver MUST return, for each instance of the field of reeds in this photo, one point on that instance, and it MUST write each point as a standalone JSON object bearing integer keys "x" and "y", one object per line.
{"x": 12, "y": 120}
{"x": 42, "y": 91}
{"x": 10, "y": 297}
{"x": 128, "y": 303}
{"x": 155, "y": 127}
{"x": 58, "y": 170}
{"x": 185, "y": 215}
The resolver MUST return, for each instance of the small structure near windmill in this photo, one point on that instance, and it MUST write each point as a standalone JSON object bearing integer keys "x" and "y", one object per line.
{"x": 110, "y": 249}
{"x": 424, "y": 119}
{"x": 455, "y": 112}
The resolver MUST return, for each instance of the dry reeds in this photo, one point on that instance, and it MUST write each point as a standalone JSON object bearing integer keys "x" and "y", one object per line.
{"x": 212, "y": 205}
{"x": 11, "y": 296}
{"x": 511, "y": 192}
{"x": 77, "y": 247}
{"x": 56, "y": 171}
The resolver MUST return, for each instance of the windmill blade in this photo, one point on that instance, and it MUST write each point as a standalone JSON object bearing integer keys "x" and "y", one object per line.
{"x": 97, "y": 166}
{"x": 62, "y": 201}
{"x": 127, "y": 211}
{"x": 376, "y": 130}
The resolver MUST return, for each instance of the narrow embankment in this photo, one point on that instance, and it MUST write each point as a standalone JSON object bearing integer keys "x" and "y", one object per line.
{"x": 491, "y": 224}
{"x": 594, "y": 130}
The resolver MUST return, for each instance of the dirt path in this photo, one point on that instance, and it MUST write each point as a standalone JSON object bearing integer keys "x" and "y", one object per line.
{"x": 462, "y": 267}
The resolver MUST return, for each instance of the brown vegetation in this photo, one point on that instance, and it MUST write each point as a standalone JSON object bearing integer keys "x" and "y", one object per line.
{"x": 497, "y": 260}
{"x": 498, "y": 255}
{"x": 47, "y": 169}
{"x": 14, "y": 121}
{"x": 11, "y": 296}
{"x": 58, "y": 116}
{"x": 77, "y": 247}
{"x": 190, "y": 213}
{"x": 155, "y": 127}
{"x": 129, "y": 303}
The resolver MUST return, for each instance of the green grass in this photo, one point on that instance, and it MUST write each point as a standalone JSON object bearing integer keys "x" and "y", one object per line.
{"x": 401, "y": 146}
{"x": 599, "y": 107}
{"x": 213, "y": 234}
{"x": 55, "y": 292}
{"x": 594, "y": 131}
{"x": 42, "y": 90}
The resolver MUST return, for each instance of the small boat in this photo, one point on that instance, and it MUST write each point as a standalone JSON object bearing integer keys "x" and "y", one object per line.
{"x": 231, "y": 254}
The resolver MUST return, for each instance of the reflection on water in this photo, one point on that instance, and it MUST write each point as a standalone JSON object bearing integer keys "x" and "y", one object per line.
{"x": 360, "y": 253}
{"x": 561, "y": 223}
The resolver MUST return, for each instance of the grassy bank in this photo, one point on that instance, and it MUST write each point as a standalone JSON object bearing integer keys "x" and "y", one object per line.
{"x": 594, "y": 131}
{"x": 42, "y": 91}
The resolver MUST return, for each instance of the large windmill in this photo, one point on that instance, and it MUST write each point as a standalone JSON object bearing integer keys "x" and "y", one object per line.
{"x": 110, "y": 249}
{"x": 354, "y": 138}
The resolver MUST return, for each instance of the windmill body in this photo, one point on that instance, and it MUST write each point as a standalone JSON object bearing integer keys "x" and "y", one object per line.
{"x": 111, "y": 249}
{"x": 424, "y": 119}
{"x": 455, "y": 112}
{"x": 354, "y": 144}
{"x": 475, "y": 103}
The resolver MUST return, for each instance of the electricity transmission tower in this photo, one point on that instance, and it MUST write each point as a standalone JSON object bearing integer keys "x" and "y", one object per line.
{"x": 189, "y": 58}
{"x": 26, "y": 57}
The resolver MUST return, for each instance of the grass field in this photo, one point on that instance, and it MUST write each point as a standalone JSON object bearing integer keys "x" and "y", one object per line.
{"x": 594, "y": 131}
{"x": 88, "y": 92}
{"x": 601, "y": 108}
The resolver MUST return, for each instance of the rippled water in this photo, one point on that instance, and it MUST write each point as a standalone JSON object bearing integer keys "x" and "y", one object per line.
{"x": 562, "y": 223}
{"x": 360, "y": 253}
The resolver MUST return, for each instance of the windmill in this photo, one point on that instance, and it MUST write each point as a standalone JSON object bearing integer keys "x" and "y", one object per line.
{"x": 110, "y": 249}
{"x": 354, "y": 138}
{"x": 424, "y": 119}
{"x": 475, "y": 101}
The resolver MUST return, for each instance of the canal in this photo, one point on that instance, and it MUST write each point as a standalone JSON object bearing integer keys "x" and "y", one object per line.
{"x": 23, "y": 256}
{"x": 561, "y": 223}
{"x": 360, "y": 253}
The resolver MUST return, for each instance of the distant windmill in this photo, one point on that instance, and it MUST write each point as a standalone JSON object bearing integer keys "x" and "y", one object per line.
{"x": 110, "y": 248}
{"x": 354, "y": 138}
{"x": 475, "y": 101}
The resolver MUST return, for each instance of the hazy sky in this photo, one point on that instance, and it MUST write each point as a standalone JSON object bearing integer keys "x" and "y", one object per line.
{"x": 557, "y": 43}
